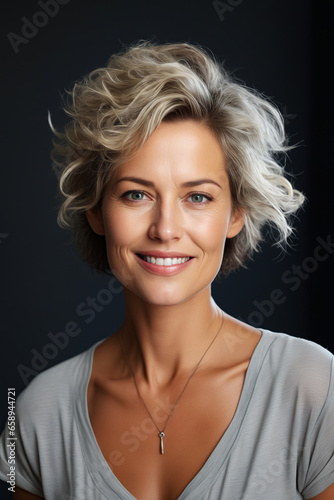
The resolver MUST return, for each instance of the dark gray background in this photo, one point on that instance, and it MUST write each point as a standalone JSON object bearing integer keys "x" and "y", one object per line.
{"x": 275, "y": 46}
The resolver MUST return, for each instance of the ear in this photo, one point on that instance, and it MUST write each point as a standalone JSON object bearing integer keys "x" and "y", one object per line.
{"x": 95, "y": 220}
{"x": 236, "y": 223}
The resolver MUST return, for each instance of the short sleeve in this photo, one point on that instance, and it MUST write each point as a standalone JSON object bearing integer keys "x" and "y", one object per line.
{"x": 22, "y": 447}
{"x": 48, "y": 451}
{"x": 318, "y": 451}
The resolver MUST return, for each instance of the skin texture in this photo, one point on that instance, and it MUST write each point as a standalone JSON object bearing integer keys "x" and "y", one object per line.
{"x": 158, "y": 202}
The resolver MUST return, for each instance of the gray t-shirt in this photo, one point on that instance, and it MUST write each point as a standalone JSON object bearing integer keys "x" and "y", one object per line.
{"x": 279, "y": 445}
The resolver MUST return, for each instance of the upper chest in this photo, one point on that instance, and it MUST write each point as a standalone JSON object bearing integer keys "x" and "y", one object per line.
{"x": 127, "y": 433}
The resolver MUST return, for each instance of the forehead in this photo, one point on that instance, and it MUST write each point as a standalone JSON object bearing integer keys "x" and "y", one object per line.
{"x": 179, "y": 148}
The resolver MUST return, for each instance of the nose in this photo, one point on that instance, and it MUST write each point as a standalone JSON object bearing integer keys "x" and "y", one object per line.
{"x": 167, "y": 221}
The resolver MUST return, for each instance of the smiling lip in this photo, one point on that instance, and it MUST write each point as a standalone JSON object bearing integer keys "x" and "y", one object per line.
{"x": 164, "y": 255}
{"x": 164, "y": 263}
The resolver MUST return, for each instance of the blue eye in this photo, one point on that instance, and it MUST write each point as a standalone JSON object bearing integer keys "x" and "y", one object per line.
{"x": 134, "y": 195}
{"x": 199, "y": 198}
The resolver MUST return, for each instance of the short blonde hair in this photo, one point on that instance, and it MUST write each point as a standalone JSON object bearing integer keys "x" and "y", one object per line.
{"x": 115, "y": 109}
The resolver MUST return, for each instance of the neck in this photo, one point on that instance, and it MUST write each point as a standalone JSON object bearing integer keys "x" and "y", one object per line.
{"x": 164, "y": 342}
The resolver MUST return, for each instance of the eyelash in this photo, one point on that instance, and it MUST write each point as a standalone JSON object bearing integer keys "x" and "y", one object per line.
{"x": 125, "y": 195}
{"x": 204, "y": 195}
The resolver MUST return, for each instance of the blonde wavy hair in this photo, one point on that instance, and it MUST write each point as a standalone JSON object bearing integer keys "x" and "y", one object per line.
{"x": 115, "y": 109}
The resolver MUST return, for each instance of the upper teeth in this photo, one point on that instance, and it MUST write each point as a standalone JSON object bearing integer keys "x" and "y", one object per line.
{"x": 165, "y": 262}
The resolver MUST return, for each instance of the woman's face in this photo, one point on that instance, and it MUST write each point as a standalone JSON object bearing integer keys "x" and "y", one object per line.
{"x": 167, "y": 213}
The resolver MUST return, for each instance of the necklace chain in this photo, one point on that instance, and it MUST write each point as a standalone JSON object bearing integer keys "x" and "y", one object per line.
{"x": 162, "y": 431}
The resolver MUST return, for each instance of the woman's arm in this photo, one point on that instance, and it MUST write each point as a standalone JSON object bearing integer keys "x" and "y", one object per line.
{"x": 25, "y": 495}
{"x": 326, "y": 495}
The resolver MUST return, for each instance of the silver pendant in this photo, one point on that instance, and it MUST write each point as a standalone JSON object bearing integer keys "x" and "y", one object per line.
{"x": 161, "y": 436}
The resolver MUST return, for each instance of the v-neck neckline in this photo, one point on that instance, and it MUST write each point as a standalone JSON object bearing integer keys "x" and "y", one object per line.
{"x": 104, "y": 478}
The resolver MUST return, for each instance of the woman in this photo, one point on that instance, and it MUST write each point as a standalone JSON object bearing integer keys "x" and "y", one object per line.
{"x": 169, "y": 175}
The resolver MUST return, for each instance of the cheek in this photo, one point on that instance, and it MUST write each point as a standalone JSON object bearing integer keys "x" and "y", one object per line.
{"x": 210, "y": 232}
{"x": 122, "y": 231}
{"x": 121, "y": 227}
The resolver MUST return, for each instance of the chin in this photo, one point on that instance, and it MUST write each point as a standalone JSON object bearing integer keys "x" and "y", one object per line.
{"x": 165, "y": 295}
{"x": 163, "y": 298}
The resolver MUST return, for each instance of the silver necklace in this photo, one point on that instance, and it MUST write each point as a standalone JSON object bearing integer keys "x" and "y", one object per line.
{"x": 162, "y": 431}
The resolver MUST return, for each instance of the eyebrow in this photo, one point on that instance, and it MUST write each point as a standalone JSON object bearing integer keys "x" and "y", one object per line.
{"x": 145, "y": 182}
